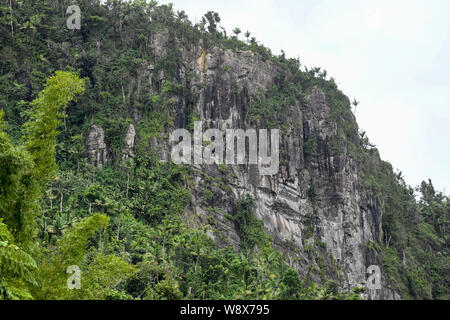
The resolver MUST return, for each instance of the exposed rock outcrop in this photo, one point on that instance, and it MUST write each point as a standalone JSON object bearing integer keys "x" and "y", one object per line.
{"x": 315, "y": 208}
{"x": 338, "y": 221}
{"x": 127, "y": 151}
{"x": 96, "y": 149}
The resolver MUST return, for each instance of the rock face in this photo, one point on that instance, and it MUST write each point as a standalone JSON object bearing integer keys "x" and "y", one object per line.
{"x": 339, "y": 221}
{"x": 315, "y": 208}
{"x": 127, "y": 151}
{"x": 96, "y": 149}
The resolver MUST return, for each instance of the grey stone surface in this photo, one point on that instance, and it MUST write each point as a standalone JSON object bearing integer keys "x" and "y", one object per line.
{"x": 96, "y": 149}
{"x": 341, "y": 220}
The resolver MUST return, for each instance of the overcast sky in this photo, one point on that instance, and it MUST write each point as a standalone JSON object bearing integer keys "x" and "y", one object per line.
{"x": 392, "y": 56}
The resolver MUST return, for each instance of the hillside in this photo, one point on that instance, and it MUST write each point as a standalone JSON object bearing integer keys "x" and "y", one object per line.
{"x": 142, "y": 228}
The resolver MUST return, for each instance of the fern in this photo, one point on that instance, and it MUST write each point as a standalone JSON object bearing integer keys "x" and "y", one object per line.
{"x": 16, "y": 268}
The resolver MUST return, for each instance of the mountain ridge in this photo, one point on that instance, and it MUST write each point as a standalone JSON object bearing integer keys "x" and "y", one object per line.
{"x": 333, "y": 210}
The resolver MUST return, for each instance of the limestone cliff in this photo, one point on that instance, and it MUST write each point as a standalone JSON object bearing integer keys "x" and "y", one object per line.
{"x": 315, "y": 208}
{"x": 334, "y": 209}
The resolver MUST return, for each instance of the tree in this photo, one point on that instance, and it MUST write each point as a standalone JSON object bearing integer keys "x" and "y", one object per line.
{"x": 237, "y": 31}
{"x": 224, "y": 31}
{"x": 25, "y": 171}
{"x": 16, "y": 268}
{"x": 355, "y": 104}
{"x": 100, "y": 276}
{"x": 213, "y": 19}
{"x": 182, "y": 16}
{"x": 247, "y": 35}
{"x": 316, "y": 70}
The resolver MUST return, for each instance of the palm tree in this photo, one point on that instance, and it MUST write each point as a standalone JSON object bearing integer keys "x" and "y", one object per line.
{"x": 247, "y": 35}
{"x": 355, "y": 103}
{"x": 224, "y": 31}
{"x": 213, "y": 19}
{"x": 182, "y": 15}
{"x": 237, "y": 31}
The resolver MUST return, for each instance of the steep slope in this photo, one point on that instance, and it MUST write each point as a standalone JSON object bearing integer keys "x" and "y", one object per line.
{"x": 333, "y": 209}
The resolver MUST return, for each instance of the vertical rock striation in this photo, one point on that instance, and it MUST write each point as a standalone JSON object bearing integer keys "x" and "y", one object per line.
{"x": 96, "y": 149}
{"x": 315, "y": 208}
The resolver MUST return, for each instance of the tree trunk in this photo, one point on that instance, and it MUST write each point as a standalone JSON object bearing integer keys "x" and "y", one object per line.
{"x": 11, "y": 21}
{"x": 128, "y": 183}
{"x": 61, "y": 201}
{"x": 118, "y": 226}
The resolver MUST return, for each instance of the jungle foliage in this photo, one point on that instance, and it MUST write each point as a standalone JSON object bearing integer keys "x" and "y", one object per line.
{"x": 123, "y": 224}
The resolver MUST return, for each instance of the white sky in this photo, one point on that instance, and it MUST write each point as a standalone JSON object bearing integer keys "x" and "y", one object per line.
{"x": 392, "y": 56}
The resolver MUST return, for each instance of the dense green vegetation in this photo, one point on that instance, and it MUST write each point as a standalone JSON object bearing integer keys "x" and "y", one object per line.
{"x": 123, "y": 225}
{"x": 149, "y": 253}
